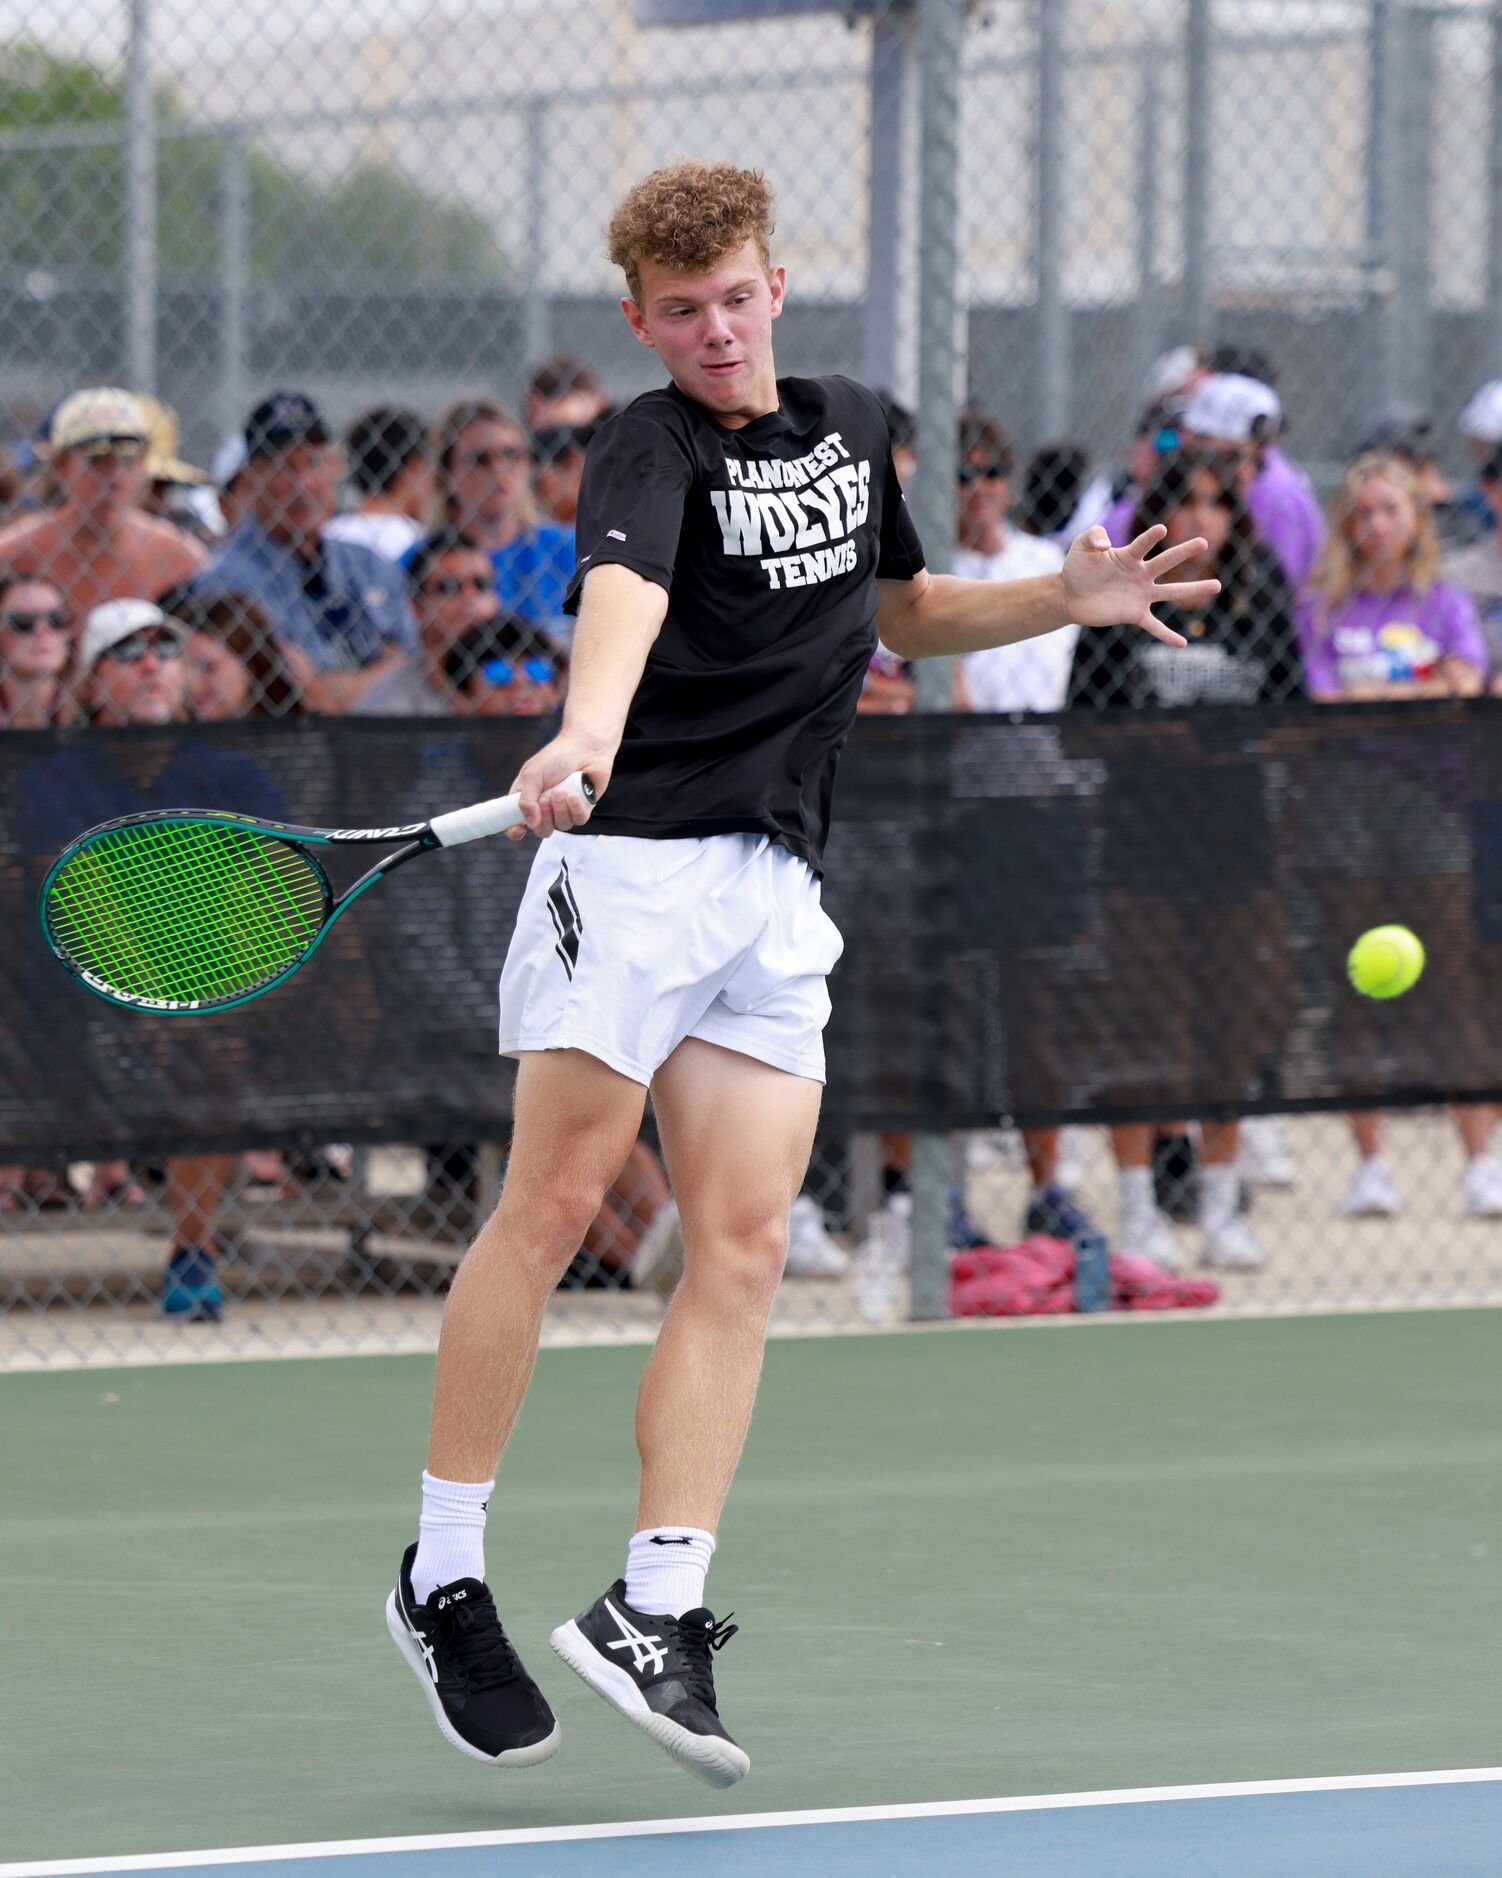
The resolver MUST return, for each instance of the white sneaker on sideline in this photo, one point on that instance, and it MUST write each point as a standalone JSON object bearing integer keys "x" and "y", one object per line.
{"x": 1147, "y": 1232}
{"x": 1373, "y": 1193}
{"x": 1482, "y": 1187}
{"x": 811, "y": 1251}
{"x": 1069, "y": 1172}
{"x": 657, "y": 1262}
{"x": 1232, "y": 1246}
{"x": 1264, "y": 1158}
{"x": 882, "y": 1260}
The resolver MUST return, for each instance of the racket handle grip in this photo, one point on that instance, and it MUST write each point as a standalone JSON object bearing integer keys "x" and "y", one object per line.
{"x": 497, "y": 815}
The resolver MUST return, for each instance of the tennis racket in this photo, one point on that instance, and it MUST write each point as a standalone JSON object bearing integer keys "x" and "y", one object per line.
{"x": 193, "y": 910}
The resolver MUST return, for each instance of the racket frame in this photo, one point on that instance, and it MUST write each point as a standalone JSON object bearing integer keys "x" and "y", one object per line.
{"x": 448, "y": 830}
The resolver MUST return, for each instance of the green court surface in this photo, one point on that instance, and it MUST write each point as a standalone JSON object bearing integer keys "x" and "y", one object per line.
{"x": 966, "y": 1564}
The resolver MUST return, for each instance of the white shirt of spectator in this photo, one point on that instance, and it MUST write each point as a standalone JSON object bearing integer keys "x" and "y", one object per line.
{"x": 1033, "y": 676}
{"x": 388, "y": 535}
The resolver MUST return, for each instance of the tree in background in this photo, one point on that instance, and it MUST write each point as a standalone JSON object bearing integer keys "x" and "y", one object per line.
{"x": 62, "y": 202}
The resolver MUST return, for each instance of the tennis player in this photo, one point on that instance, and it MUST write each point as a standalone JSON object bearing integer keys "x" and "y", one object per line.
{"x": 742, "y": 541}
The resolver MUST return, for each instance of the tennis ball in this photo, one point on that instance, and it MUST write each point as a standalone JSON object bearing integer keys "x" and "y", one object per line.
{"x": 1386, "y": 962}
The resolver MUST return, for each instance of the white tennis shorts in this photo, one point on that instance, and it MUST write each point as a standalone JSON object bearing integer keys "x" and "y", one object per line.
{"x": 624, "y": 947}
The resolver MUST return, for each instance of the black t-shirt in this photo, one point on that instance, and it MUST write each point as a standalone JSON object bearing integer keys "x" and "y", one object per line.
{"x": 769, "y": 540}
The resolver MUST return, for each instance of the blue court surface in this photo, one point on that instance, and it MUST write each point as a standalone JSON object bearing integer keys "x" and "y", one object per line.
{"x": 1422, "y": 1825}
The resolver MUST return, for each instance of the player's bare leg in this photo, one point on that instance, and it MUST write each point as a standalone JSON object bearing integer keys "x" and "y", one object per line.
{"x": 737, "y": 1135}
{"x": 576, "y": 1122}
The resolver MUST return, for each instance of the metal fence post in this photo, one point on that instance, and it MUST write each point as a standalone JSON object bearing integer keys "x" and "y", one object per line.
{"x": 140, "y": 204}
{"x": 1410, "y": 182}
{"x": 234, "y": 248}
{"x": 1380, "y": 167}
{"x": 891, "y": 63}
{"x": 1147, "y": 315}
{"x": 1198, "y": 159}
{"x": 536, "y": 321}
{"x": 1491, "y": 352}
{"x": 940, "y": 43}
{"x": 1051, "y": 316}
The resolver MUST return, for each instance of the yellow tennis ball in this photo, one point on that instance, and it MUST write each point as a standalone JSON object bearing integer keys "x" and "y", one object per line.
{"x": 1386, "y": 962}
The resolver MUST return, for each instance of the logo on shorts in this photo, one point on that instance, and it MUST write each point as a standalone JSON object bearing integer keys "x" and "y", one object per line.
{"x": 566, "y": 921}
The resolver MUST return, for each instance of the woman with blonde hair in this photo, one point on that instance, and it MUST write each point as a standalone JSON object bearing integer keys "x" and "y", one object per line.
{"x": 1379, "y": 624}
{"x": 483, "y": 490}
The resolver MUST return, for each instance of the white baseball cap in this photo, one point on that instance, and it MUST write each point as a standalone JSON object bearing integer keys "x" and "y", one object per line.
{"x": 1171, "y": 373}
{"x": 105, "y": 626}
{"x": 1227, "y": 405}
{"x": 1482, "y": 417}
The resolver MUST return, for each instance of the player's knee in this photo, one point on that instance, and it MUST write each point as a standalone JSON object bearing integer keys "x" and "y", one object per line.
{"x": 743, "y": 1261}
{"x": 546, "y": 1226}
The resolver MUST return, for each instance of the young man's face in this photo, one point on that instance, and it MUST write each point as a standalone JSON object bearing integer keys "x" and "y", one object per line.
{"x": 102, "y": 480}
{"x": 294, "y": 491}
{"x": 142, "y": 680}
{"x": 457, "y": 592}
{"x": 714, "y": 331}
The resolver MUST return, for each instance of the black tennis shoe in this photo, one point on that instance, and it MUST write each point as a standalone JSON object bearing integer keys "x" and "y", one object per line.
{"x": 484, "y": 1702}
{"x": 658, "y": 1672}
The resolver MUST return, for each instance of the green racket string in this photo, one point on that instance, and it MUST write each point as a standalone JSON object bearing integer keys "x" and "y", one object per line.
{"x": 186, "y": 910}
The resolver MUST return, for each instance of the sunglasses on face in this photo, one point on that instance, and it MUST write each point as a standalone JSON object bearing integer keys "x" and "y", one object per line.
{"x": 122, "y": 449}
{"x": 24, "y": 623}
{"x": 499, "y": 456}
{"x": 450, "y": 586}
{"x": 984, "y": 473}
{"x": 131, "y": 651}
{"x": 503, "y": 672}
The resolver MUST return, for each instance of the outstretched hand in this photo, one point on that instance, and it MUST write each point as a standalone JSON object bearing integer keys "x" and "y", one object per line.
{"x": 1106, "y": 586}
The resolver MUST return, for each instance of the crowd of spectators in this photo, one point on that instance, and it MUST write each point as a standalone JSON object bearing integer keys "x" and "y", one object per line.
{"x": 417, "y": 566}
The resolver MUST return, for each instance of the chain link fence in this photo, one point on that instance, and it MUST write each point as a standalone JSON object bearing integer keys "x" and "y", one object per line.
{"x": 308, "y": 320}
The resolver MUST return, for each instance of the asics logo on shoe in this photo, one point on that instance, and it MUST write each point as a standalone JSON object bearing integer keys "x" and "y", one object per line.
{"x": 644, "y": 1651}
{"x": 657, "y": 1539}
{"x": 453, "y": 1597}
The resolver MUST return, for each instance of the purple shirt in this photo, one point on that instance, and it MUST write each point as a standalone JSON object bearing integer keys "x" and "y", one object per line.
{"x": 1387, "y": 638}
{"x": 1283, "y": 508}
{"x": 1288, "y": 516}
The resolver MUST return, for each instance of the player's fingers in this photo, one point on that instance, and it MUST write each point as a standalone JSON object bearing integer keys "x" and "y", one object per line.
{"x": 1190, "y": 592}
{"x": 1176, "y": 556}
{"x": 528, "y": 789}
{"x": 1152, "y": 624}
{"x": 566, "y": 806}
{"x": 1147, "y": 540}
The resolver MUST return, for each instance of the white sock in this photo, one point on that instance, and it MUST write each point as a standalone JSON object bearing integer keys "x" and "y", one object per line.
{"x": 1135, "y": 1187}
{"x": 450, "y": 1533}
{"x": 1220, "y": 1193}
{"x": 665, "y": 1567}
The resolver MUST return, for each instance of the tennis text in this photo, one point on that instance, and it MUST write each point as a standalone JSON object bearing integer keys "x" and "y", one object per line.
{"x": 796, "y": 517}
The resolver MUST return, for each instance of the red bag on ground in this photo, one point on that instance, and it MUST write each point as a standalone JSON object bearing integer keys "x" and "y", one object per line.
{"x": 1036, "y": 1279}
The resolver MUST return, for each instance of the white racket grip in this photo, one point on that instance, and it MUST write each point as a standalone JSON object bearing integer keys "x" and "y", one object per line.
{"x": 498, "y": 814}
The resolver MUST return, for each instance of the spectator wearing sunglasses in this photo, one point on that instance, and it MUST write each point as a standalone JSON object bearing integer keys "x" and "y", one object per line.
{"x": 97, "y": 545}
{"x": 482, "y": 467}
{"x": 1032, "y": 676}
{"x": 473, "y": 661}
{"x": 339, "y": 610}
{"x": 34, "y": 648}
{"x": 131, "y": 668}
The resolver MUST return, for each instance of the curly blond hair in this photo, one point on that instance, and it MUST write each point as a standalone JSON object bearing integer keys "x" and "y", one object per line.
{"x": 688, "y": 216}
{"x": 1338, "y": 574}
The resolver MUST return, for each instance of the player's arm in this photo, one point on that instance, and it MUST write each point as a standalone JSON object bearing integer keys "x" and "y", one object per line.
{"x": 620, "y": 616}
{"x": 935, "y": 615}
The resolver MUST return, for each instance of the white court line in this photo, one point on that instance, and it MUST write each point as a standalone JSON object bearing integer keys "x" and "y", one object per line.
{"x": 744, "y": 1822}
